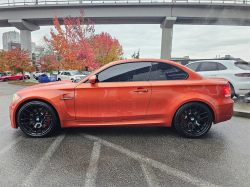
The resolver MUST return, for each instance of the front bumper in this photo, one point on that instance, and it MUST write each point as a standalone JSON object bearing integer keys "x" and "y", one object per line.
{"x": 12, "y": 115}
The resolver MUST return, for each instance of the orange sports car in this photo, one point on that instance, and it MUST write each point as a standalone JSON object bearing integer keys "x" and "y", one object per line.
{"x": 140, "y": 92}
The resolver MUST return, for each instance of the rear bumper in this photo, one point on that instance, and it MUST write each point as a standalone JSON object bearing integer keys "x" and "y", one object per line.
{"x": 224, "y": 109}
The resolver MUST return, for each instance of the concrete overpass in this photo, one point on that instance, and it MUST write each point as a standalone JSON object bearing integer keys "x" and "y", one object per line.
{"x": 29, "y": 17}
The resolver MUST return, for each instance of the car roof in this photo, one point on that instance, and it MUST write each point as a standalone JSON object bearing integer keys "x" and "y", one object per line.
{"x": 214, "y": 60}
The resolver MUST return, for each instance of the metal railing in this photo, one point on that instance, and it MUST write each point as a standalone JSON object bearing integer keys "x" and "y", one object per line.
{"x": 55, "y": 2}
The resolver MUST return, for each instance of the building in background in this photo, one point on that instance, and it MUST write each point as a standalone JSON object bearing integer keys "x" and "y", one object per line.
{"x": 12, "y": 45}
{"x": 10, "y": 37}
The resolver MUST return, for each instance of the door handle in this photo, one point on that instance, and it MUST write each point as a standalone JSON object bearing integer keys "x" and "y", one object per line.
{"x": 213, "y": 75}
{"x": 141, "y": 90}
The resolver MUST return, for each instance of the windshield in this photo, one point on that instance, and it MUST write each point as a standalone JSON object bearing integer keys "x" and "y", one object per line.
{"x": 75, "y": 73}
{"x": 242, "y": 65}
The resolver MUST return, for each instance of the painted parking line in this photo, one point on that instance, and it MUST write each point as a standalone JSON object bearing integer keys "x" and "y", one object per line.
{"x": 93, "y": 166}
{"x": 149, "y": 174}
{"x": 10, "y": 145}
{"x": 31, "y": 178}
{"x": 163, "y": 167}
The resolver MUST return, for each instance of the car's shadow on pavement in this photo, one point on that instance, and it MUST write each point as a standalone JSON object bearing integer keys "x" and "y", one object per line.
{"x": 168, "y": 132}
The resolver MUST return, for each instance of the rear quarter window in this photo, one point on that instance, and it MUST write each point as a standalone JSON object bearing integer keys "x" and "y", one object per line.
{"x": 242, "y": 65}
{"x": 164, "y": 71}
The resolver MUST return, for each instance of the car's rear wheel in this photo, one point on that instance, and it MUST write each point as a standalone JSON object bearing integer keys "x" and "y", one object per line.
{"x": 37, "y": 119}
{"x": 232, "y": 91}
{"x": 193, "y": 119}
{"x": 6, "y": 79}
{"x": 59, "y": 79}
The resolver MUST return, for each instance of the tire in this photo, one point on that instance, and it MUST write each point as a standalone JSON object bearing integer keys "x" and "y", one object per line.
{"x": 37, "y": 119}
{"x": 59, "y": 79}
{"x": 193, "y": 120}
{"x": 232, "y": 91}
{"x": 6, "y": 79}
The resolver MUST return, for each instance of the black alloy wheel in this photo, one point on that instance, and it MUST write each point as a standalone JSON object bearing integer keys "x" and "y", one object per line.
{"x": 193, "y": 119}
{"x": 6, "y": 79}
{"x": 37, "y": 119}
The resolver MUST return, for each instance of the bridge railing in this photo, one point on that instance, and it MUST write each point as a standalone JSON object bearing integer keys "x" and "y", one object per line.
{"x": 50, "y": 2}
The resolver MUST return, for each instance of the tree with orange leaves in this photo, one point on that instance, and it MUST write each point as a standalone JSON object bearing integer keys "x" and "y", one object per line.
{"x": 16, "y": 61}
{"x": 3, "y": 66}
{"x": 79, "y": 46}
{"x": 109, "y": 49}
{"x": 48, "y": 63}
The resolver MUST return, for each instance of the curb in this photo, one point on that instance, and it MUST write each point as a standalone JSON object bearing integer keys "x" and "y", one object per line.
{"x": 241, "y": 114}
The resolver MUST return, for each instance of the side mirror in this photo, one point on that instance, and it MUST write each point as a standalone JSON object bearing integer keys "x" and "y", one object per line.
{"x": 92, "y": 79}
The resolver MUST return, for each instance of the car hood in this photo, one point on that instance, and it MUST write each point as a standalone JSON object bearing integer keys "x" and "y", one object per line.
{"x": 51, "y": 86}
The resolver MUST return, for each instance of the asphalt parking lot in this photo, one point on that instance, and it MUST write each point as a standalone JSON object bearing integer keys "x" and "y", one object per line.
{"x": 123, "y": 156}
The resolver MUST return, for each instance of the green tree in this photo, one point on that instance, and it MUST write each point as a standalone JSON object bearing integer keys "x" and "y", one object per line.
{"x": 136, "y": 55}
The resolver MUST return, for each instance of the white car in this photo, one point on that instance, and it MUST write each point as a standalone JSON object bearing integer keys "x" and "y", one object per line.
{"x": 69, "y": 75}
{"x": 27, "y": 74}
{"x": 236, "y": 72}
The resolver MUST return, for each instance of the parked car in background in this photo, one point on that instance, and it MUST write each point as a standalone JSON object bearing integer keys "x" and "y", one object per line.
{"x": 236, "y": 72}
{"x": 78, "y": 79}
{"x": 13, "y": 77}
{"x": 37, "y": 75}
{"x": 27, "y": 74}
{"x": 86, "y": 72}
{"x": 47, "y": 77}
{"x": 139, "y": 92}
{"x": 69, "y": 75}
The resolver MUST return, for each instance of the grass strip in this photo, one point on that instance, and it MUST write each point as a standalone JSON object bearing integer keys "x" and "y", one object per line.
{"x": 22, "y": 82}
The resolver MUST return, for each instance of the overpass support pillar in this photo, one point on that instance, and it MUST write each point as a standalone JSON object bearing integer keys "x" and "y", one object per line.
{"x": 25, "y": 32}
{"x": 25, "y": 36}
{"x": 167, "y": 34}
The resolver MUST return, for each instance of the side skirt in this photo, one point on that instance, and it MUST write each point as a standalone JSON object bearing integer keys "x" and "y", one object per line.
{"x": 156, "y": 122}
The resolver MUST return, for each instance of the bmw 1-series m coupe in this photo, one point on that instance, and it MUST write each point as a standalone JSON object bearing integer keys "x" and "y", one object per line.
{"x": 140, "y": 92}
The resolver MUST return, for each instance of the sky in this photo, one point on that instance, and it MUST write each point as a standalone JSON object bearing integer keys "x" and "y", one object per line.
{"x": 195, "y": 41}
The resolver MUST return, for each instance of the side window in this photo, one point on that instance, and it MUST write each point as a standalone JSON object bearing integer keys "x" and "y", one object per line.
{"x": 127, "y": 72}
{"x": 221, "y": 66}
{"x": 164, "y": 71}
{"x": 193, "y": 66}
{"x": 208, "y": 66}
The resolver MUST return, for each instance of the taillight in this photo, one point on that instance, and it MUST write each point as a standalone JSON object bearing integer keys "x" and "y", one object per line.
{"x": 242, "y": 75}
{"x": 226, "y": 91}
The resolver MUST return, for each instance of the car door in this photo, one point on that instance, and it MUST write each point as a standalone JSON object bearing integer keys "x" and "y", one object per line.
{"x": 208, "y": 69}
{"x": 122, "y": 92}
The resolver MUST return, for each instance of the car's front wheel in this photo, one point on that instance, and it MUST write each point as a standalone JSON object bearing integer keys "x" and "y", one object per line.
{"x": 193, "y": 119}
{"x": 37, "y": 119}
{"x": 6, "y": 79}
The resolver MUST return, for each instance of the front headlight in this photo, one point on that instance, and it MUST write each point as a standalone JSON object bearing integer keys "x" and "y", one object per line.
{"x": 15, "y": 97}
